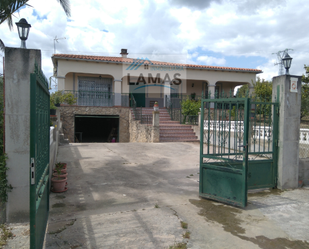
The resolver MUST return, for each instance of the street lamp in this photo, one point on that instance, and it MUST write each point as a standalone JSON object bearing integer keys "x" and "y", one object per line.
{"x": 287, "y": 61}
{"x": 23, "y": 31}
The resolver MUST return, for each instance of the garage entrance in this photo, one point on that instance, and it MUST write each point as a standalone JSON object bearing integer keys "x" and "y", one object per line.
{"x": 96, "y": 128}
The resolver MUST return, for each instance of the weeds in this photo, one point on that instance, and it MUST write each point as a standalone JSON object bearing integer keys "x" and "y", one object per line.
{"x": 184, "y": 225}
{"x": 186, "y": 235}
{"x": 179, "y": 245}
{"x": 156, "y": 206}
{"x": 5, "y": 234}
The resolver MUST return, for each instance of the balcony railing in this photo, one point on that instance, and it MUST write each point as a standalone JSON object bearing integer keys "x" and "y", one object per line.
{"x": 97, "y": 98}
{"x": 93, "y": 98}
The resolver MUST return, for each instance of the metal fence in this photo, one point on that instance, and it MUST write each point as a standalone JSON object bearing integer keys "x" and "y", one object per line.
{"x": 146, "y": 119}
{"x": 93, "y": 98}
{"x": 173, "y": 105}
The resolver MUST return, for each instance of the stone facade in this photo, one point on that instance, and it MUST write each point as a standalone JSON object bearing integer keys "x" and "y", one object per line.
{"x": 143, "y": 133}
{"x": 68, "y": 113}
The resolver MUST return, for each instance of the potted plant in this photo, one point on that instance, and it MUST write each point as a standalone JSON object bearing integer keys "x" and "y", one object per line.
{"x": 61, "y": 166}
{"x": 156, "y": 106}
{"x": 52, "y": 110}
{"x": 60, "y": 97}
{"x": 59, "y": 182}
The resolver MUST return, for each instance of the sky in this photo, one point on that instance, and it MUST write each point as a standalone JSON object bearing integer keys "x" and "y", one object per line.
{"x": 228, "y": 33}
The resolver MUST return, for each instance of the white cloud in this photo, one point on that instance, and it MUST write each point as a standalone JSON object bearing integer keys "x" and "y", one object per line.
{"x": 231, "y": 27}
{"x": 209, "y": 60}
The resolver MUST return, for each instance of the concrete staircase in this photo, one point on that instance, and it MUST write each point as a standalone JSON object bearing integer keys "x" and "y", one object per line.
{"x": 172, "y": 131}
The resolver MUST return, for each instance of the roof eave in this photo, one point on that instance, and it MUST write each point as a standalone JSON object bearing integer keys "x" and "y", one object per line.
{"x": 186, "y": 67}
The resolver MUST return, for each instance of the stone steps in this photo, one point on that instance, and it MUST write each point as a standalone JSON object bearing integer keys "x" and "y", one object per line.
{"x": 172, "y": 131}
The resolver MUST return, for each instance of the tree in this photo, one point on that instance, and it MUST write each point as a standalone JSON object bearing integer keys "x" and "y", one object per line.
{"x": 304, "y": 110}
{"x": 262, "y": 90}
{"x": 190, "y": 107}
{"x": 242, "y": 91}
{"x": 9, "y": 7}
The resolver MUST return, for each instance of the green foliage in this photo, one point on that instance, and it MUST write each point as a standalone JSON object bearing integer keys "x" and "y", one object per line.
{"x": 304, "y": 110}
{"x": 60, "y": 97}
{"x": 9, "y": 7}
{"x": 263, "y": 90}
{"x": 190, "y": 107}
{"x": 263, "y": 93}
{"x": 5, "y": 234}
{"x": 4, "y": 186}
{"x": 243, "y": 91}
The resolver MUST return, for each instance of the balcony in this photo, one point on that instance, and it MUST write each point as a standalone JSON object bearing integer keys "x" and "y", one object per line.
{"x": 96, "y": 98}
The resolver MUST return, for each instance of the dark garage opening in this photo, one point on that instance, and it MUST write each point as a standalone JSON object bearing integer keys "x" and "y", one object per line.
{"x": 96, "y": 128}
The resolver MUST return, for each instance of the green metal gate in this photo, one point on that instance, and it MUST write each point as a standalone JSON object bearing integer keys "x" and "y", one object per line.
{"x": 39, "y": 157}
{"x": 238, "y": 148}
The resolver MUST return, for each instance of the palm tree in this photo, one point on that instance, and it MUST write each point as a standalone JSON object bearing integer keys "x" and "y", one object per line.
{"x": 9, "y": 7}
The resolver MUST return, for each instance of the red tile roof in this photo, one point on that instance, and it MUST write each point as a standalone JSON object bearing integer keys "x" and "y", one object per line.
{"x": 156, "y": 63}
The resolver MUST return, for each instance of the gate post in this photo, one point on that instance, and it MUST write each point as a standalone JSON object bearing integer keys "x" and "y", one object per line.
{"x": 19, "y": 63}
{"x": 289, "y": 99}
{"x": 155, "y": 132}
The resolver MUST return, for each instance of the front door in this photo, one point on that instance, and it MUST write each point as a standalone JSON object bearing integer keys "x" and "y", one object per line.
{"x": 138, "y": 94}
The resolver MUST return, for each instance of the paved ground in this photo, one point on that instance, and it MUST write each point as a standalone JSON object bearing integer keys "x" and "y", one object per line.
{"x": 135, "y": 196}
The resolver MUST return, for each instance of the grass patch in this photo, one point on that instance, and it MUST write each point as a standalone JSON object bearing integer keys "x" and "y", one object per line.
{"x": 186, "y": 235}
{"x": 188, "y": 176}
{"x": 179, "y": 245}
{"x": 156, "y": 206}
{"x": 5, "y": 234}
{"x": 183, "y": 224}
{"x": 191, "y": 175}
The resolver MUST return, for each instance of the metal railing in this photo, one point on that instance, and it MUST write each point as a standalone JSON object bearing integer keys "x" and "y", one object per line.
{"x": 190, "y": 120}
{"x": 137, "y": 111}
{"x": 146, "y": 119}
{"x": 93, "y": 98}
{"x": 173, "y": 105}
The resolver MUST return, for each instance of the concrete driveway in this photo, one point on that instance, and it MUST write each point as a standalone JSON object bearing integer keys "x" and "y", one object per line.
{"x": 136, "y": 195}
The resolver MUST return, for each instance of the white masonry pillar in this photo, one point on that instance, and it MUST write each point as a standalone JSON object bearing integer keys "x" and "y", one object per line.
{"x": 117, "y": 91}
{"x": 287, "y": 90}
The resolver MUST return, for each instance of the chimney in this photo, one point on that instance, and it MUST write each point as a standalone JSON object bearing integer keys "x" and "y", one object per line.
{"x": 124, "y": 52}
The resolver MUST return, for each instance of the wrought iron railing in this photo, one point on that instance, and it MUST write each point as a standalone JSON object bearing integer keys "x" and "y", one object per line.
{"x": 173, "y": 105}
{"x": 190, "y": 119}
{"x": 93, "y": 98}
{"x": 146, "y": 119}
{"x": 137, "y": 111}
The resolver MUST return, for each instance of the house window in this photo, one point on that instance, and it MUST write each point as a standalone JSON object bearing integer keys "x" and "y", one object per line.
{"x": 95, "y": 91}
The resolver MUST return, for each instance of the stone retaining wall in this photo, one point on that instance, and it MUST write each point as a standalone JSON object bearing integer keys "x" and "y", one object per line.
{"x": 143, "y": 133}
{"x": 68, "y": 113}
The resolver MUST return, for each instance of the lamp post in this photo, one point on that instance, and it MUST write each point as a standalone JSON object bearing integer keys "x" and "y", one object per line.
{"x": 287, "y": 61}
{"x": 23, "y": 31}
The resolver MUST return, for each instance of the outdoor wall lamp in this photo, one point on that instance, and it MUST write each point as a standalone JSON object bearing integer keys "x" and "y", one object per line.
{"x": 23, "y": 31}
{"x": 287, "y": 61}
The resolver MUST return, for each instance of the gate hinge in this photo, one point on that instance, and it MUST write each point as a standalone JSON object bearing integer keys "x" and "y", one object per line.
{"x": 277, "y": 142}
{"x": 277, "y": 110}
{"x": 32, "y": 171}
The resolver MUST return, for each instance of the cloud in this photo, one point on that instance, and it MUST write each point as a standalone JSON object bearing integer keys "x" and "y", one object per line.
{"x": 209, "y": 60}
{"x": 169, "y": 30}
{"x": 193, "y": 4}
